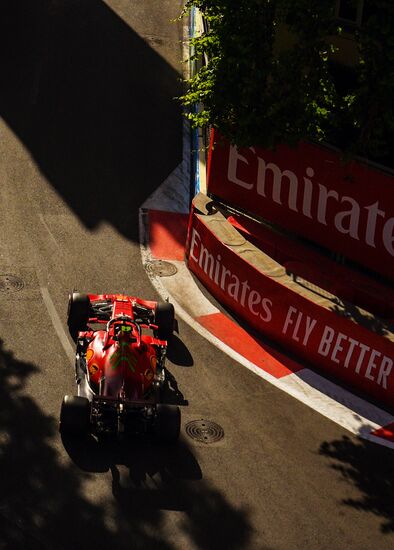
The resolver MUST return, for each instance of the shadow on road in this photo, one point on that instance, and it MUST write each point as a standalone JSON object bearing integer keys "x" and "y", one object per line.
{"x": 370, "y": 468}
{"x": 148, "y": 479}
{"x": 92, "y": 102}
{"x": 170, "y": 392}
{"x": 39, "y": 496}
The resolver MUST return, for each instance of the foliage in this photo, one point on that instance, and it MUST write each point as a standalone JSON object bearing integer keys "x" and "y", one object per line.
{"x": 255, "y": 91}
{"x": 373, "y": 99}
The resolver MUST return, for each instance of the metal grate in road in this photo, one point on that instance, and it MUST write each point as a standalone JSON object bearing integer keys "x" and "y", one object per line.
{"x": 10, "y": 283}
{"x": 161, "y": 268}
{"x": 205, "y": 431}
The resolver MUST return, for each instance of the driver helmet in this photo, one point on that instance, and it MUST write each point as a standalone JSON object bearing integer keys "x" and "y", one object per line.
{"x": 123, "y": 330}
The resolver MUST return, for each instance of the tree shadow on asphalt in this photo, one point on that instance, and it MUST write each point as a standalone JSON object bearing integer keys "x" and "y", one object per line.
{"x": 148, "y": 479}
{"x": 93, "y": 103}
{"x": 370, "y": 468}
{"x": 46, "y": 501}
{"x": 363, "y": 318}
{"x": 40, "y": 497}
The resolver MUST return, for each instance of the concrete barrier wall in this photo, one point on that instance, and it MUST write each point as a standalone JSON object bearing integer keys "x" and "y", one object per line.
{"x": 259, "y": 290}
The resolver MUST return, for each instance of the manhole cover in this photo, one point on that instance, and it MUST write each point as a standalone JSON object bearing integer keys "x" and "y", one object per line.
{"x": 161, "y": 268}
{"x": 10, "y": 283}
{"x": 204, "y": 431}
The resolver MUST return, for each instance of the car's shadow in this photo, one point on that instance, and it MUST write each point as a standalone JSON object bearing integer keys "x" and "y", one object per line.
{"x": 178, "y": 353}
{"x": 170, "y": 392}
{"x": 180, "y": 356}
{"x": 140, "y": 466}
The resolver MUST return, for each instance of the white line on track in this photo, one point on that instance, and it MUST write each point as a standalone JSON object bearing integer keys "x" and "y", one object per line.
{"x": 51, "y": 236}
{"x": 58, "y": 325}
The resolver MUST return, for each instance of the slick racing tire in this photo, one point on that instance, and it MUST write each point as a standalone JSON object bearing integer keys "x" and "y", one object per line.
{"x": 168, "y": 423}
{"x": 78, "y": 312}
{"x": 75, "y": 416}
{"x": 164, "y": 319}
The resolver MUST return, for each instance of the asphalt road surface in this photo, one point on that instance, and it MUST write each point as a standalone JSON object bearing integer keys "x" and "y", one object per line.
{"x": 89, "y": 129}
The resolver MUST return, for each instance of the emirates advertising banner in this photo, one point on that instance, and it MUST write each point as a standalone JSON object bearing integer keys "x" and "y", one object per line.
{"x": 326, "y": 340}
{"x": 348, "y": 208}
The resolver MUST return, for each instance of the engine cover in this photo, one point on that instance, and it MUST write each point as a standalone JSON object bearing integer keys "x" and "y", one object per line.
{"x": 120, "y": 368}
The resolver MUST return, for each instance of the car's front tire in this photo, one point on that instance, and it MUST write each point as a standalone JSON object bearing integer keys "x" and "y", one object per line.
{"x": 78, "y": 314}
{"x": 75, "y": 416}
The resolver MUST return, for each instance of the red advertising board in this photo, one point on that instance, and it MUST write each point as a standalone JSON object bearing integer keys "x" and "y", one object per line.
{"x": 348, "y": 208}
{"x": 333, "y": 343}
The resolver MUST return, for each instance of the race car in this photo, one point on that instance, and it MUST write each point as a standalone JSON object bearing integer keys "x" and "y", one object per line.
{"x": 121, "y": 345}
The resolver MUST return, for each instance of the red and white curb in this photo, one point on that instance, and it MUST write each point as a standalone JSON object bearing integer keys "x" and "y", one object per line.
{"x": 163, "y": 223}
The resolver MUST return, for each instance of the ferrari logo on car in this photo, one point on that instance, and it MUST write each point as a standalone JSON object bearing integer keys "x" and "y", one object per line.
{"x": 93, "y": 368}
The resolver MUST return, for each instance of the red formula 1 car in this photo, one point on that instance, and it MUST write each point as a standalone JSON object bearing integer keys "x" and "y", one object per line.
{"x": 120, "y": 355}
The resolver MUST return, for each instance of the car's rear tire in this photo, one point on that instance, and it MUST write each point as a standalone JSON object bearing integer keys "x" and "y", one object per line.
{"x": 75, "y": 416}
{"x": 164, "y": 319}
{"x": 78, "y": 314}
{"x": 168, "y": 423}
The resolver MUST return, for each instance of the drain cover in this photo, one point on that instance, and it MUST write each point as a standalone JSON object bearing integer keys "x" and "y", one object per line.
{"x": 10, "y": 283}
{"x": 161, "y": 268}
{"x": 204, "y": 431}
